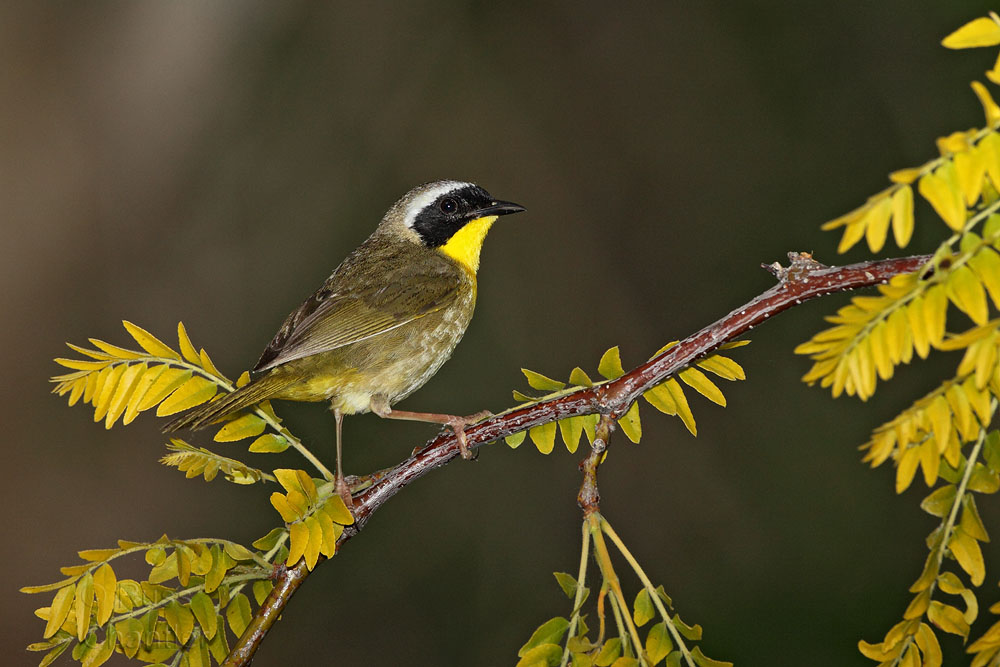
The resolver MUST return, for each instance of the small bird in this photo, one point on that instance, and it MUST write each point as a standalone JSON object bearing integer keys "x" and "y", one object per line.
{"x": 385, "y": 320}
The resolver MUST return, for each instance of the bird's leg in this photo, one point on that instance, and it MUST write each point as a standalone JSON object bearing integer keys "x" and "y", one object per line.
{"x": 380, "y": 406}
{"x": 343, "y": 490}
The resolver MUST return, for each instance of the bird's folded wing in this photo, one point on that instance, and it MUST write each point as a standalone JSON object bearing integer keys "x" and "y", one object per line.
{"x": 327, "y": 321}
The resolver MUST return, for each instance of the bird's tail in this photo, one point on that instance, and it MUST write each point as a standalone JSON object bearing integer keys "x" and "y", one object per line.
{"x": 244, "y": 397}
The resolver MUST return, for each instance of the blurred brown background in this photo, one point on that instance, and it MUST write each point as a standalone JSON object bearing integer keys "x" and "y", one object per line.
{"x": 212, "y": 162}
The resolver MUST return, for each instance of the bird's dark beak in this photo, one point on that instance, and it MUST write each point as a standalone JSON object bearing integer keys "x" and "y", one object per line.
{"x": 498, "y": 208}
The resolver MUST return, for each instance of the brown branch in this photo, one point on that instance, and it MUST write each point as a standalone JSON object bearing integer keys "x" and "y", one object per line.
{"x": 804, "y": 279}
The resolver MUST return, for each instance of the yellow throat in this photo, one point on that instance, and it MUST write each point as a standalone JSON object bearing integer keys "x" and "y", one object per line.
{"x": 465, "y": 245}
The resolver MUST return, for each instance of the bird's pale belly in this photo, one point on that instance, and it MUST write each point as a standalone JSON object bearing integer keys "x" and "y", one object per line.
{"x": 394, "y": 364}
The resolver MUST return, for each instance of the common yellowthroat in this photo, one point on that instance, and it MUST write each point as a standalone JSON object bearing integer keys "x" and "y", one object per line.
{"x": 385, "y": 320}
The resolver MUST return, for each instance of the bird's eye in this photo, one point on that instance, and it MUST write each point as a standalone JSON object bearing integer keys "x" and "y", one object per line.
{"x": 448, "y": 205}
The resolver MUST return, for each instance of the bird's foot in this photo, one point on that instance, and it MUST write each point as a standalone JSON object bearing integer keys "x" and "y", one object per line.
{"x": 458, "y": 425}
{"x": 344, "y": 491}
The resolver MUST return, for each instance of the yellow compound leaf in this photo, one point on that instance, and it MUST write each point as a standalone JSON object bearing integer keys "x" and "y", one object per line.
{"x": 167, "y": 381}
{"x": 83, "y": 604}
{"x": 611, "y": 364}
{"x": 238, "y": 614}
{"x": 149, "y": 342}
{"x": 544, "y": 437}
{"x": 902, "y": 215}
{"x": 978, "y": 32}
{"x": 631, "y": 424}
{"x": 105, "y": 584}
{"x": 698, "y": 381}
{"x": 541, "y": 382}
{"x": 188, "y": 349}
{"x": 947, "y": 618}
{"x": 571, "y": 429}
{"x": 970, "y": 169}
{"x": 298, "y": 541}
{"x": 966, "y": 551}
{"x": 967, "y": 293}
{"x": 941, "y": 190}
{"x": 246, "y": 426}
{"x": 877, "y": 224}
{"x": 195, "y": 391}
{"x": 59, "y": 610}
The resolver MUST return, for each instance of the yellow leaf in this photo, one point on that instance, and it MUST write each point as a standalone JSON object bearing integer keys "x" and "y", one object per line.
{"x": 102, "y": 400}
{"x": 83, "y": 604}
{"x": 298, "y": 541}
{"x": 195, "y": 391}
{"x": 971, "y": 523}
{"x": 81, "y": 364}
{"x": 149, "y": 342}
{"x": 611, "y": 364}
{"x": 143, "y": 385}
{"x": 970, "y": 169}
{"x": 990, "y": 108}
{"x": 683, "y": 409}
{"x": 930, "y": 462}
{"x": 315, "y": 542}
{"x": 61, "y": 605}
{"x": 207, "y": 364}
{"x": 544, "y": 437}
{"x": 935, "y": 309}
{"x": 989, "y": 147}
{"x": 105, "y": 583}
{"x": 204, "y": 611}
{"x": 246, "y": 426}
{"x": 114, "y": 351}
{"x": 967, "y": 293}
{"x": 328, "y": 541}
{"x": 697, "y": 380}
{"x": 187, "y": 347}
{"x": 630, "y": 423}
{"x": 880, "y": 350}
{"x": 281, "y": 504}
{"x": 947, "y": 618}
{"x": 571, "y": 429}
{"x": 927, "y": 642}
{"x": 852, "y": 234}
{"x": 165, "y": 383}
{"x": 986, "y": 264}
{"x": 722, "y": 366}
{"x": 940, "y": 416}
{"x": 877, "y": 224}
{"x": 905, "y": 176}
{"x": 338, "y": 511}
{"x": 579, "y": 377}
{"x": 943, "y": 194}
{"x": 123, "y": 393}
{"x": 180, "y": 619}
{"x": 541, "y": 382}
{"x": 661, "y": 399}
{"x": 269, "y": 442}
{"x": 238, "y": 614}
{"x": 966, "y": 551}
{"x": 911, "y": 658}
{"x": 907, "y": 468}
{"x": 902, "y": 215}
{"x": 955, "y": 142}
{"x": 978, "y": 32}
